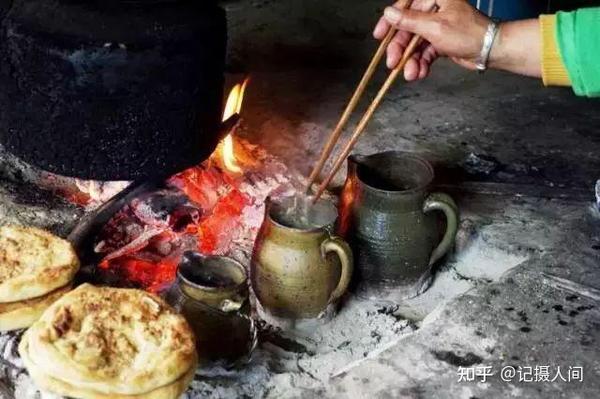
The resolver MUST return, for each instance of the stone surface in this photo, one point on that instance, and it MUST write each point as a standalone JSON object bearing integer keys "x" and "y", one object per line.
{"x": 305, "y": 59}
{"x": 544, "y": 312}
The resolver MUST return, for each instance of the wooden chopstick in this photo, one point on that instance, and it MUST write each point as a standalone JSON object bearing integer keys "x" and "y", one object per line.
{"x": 335, "y": 135}
{"x": 410, "y": 49}
{"x": 358, "y": 92}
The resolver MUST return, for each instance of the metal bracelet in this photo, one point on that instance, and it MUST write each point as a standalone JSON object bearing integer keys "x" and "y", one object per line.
{"x": 481, "y": 62}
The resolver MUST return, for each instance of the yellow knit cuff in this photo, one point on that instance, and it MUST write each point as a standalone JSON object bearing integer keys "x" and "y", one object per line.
{"x": 554, "y": 72}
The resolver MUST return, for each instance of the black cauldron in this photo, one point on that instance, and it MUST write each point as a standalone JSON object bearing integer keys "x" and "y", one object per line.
{"x": 111, "y": 89}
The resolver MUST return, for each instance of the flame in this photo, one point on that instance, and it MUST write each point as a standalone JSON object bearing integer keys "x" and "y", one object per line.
{"x": 232, "y": 106}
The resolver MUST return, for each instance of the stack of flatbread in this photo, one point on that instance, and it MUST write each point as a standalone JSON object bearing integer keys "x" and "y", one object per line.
{"x": 101, "y": 343}
{"x": 36, "y": 268}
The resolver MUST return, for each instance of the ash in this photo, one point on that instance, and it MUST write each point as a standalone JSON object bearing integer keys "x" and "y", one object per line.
{"x": 14, "y": 380}
{"x": 283, "y": 365}
{"x": 287, "y": 363}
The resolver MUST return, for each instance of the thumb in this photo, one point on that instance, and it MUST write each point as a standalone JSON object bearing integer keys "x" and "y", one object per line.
{"x": 419, "y": 22}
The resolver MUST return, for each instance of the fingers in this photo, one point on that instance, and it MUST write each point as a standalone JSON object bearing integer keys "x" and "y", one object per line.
{"x": 429, "y": 55}
{"x": 407, "y": 21}
{"x": 424, "y": 5}
{"x": 411, "y": 69}
{"x": 396, "y": 48}
{"x": 383, "y": 26}
{"x": 394, "y": 54}
{"x": 419, "y": 65}
{"x": 381, "y": 29}
{"x": 425, "y": 54}
{"x": 402, "y": 37}
{"x": 418, "y": 22}
{"x": 423, "y": 69}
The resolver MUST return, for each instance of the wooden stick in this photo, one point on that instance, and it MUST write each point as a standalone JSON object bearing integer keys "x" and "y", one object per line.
{"x": 410, "y": 49}
{"x": 360, "y": 89}
{"x": 335, "y": 135}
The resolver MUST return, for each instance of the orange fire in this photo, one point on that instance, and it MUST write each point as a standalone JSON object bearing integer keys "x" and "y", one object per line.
{"x": 215, "y": 193}
{"x": 233, "y": 106}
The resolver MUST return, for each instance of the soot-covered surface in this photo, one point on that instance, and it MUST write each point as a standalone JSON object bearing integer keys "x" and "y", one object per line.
{"x": 111, "y": 92}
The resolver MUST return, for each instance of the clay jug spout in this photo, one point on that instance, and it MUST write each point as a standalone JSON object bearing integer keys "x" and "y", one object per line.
{"x": 357, "y": 159}
{"x": 354, "y": 161}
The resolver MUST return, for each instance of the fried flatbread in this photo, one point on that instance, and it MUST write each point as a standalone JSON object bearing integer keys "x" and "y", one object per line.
{"x": 50, "y": 384}
{"x": 21, "y": 314}
{"x": 33, "y": 262}
{"x": 112, "y": 341}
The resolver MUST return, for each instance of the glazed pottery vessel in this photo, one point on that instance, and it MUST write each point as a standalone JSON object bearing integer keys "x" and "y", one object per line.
{"x": 388, "y": 215}
{"x": 298, "y": 266}
{"x": 212, "y": 294}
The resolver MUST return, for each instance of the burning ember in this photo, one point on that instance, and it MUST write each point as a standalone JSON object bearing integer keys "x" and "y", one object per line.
{"x": 216, "y": 207}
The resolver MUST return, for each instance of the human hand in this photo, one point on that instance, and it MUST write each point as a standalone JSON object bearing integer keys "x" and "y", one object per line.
{"x": 456, "y": 31}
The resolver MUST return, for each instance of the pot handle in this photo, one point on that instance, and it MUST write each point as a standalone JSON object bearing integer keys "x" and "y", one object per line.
{"x": 343, "y": 251}
{"x": 443, "y": 202}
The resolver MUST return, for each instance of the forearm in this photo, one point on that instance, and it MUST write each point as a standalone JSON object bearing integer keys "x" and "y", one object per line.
{"x": 517, "y": 48}
{"x": 562, "y": 49}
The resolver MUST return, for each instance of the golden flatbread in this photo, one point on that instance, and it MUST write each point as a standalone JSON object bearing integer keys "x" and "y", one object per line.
{"x": 21, "y": 314}
{"x": 33, "y": 263}
{"x": 50, "y": 384}
{"x": 112, "y": 341}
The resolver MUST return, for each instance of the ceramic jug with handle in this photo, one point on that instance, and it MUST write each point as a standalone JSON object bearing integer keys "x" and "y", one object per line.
{"x": 211, "y": 292}
{"x": 298, "y": 267}
{"x": 392, "y": 221}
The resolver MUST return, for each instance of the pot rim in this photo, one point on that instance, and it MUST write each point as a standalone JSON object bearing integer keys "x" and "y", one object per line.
{"x": 402, "y": 154}
{"x": 269, "y": 201}
{"x": 232, "y": 261}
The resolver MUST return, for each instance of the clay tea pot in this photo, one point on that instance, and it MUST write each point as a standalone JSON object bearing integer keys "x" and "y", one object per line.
{"x": 211, "y": 292}
{"x": 387, "y": 215}
{"x": 298, "y": 267}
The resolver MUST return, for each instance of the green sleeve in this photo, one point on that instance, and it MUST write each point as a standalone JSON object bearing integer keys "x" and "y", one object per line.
{"x": 578, "y": 36}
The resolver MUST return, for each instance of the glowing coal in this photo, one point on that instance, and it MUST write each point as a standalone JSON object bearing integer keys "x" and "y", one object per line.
{"x": 215, "y": 208}
{"x": 206, "y": 208}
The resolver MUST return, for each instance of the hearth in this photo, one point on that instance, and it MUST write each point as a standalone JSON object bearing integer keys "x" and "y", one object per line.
{"x": 137, "y": 238}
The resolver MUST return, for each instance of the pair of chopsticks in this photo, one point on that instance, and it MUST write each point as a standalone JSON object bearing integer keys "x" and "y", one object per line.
{"x": 335, "y": 135}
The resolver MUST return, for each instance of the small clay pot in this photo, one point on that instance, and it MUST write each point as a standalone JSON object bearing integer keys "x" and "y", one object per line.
{"x": 212, "y": 294}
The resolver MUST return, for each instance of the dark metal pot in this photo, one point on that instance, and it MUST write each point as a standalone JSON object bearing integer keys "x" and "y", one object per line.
{"x": 111, "y": 90}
